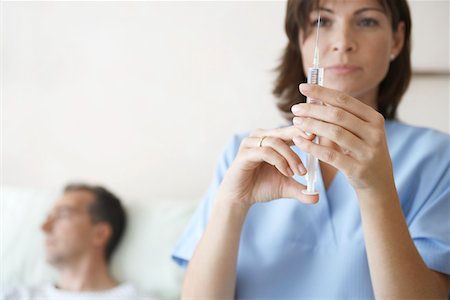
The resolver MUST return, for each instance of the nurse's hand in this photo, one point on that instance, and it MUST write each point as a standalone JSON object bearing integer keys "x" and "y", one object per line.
{"x": 263, "y": 169}
{"x": 355, "y": 127}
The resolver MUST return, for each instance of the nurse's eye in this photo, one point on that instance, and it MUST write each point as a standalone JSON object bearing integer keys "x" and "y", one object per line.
{"x": 324, "y": 22}
{"x": 368, "y": 22}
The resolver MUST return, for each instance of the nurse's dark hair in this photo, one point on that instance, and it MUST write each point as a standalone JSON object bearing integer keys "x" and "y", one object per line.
{"x": 106, "y": 208}
{"x": 290, "y": 70}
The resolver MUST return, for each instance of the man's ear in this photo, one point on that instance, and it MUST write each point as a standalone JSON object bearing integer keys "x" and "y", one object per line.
{"x": 399, "y": 39}
{"x": 102, "y": 234}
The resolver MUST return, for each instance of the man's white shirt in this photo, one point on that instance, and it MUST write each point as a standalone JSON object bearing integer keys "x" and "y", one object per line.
{"x": 124, "y": 291}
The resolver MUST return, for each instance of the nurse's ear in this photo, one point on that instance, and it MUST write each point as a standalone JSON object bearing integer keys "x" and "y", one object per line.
{"x": 398, "y": 37}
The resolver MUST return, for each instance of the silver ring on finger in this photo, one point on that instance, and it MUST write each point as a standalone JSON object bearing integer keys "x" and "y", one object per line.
{"x": 261, "y": 141}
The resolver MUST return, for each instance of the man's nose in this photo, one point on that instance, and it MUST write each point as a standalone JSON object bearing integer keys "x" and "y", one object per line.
{"x": 47, "y": 225}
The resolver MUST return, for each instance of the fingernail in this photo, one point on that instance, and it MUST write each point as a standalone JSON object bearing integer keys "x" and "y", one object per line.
{"x": 304, "y": 87}
{"x": 302, "y": 169}
{"x": 297, "y": 120}
{"x": 297, "y": 140}
{"x": 290, "y": 172}
{"x": 295, "y": 108}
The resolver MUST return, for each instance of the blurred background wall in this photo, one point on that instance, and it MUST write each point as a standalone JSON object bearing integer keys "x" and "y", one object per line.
{"x": 142, "y": 96}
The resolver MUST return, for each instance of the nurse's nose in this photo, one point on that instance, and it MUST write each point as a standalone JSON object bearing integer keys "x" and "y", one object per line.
{"x": 343, "y": 40}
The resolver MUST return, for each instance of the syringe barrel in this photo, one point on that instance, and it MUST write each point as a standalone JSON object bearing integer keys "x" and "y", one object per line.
{"x": 315, "y": 76}
{"x": 312, "y": 163}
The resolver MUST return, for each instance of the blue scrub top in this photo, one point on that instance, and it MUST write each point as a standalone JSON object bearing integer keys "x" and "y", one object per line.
{"x": 293, "y": 250}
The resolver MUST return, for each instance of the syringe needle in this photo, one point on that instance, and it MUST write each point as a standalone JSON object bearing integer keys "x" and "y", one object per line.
{"x": 315, "y": 76}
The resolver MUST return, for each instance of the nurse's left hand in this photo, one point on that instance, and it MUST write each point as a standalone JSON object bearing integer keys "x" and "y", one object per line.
{"x": 355, "y": 127}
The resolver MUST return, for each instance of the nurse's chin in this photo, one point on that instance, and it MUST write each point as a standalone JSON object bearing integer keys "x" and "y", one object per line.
{"x": 344, "y": 87}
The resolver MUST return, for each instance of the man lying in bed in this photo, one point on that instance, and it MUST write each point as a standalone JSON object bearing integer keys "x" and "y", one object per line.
{"x": 82, "y": 230}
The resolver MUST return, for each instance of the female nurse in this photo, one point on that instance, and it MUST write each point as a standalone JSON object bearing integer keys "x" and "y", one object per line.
{"x": 380, "y": 226}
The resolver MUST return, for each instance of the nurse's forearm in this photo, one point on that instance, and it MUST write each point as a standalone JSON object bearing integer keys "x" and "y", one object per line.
{"x": 396, "y": 268}
{"x": 211, "y": 273}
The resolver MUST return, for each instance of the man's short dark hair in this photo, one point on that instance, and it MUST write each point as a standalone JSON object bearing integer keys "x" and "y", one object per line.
{"x": 105, "y": 208}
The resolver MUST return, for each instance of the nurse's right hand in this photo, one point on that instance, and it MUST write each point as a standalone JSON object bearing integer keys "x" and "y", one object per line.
{"x": 263, "y": 169}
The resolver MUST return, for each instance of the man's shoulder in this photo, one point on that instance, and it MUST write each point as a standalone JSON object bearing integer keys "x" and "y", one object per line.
{"x": 124, "y": 291}
{"x": 129, "y": 291}
{"x": 23, "y": 293}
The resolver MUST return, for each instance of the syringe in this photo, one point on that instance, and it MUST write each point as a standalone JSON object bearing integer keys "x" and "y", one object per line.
{"x": 315, "y": 76}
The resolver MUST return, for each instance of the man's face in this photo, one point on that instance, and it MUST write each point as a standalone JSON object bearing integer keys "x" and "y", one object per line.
{"x": 68, "y": 228}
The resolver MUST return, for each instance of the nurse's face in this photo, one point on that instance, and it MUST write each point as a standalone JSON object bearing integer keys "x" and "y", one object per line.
{"x": 356, "y": 44}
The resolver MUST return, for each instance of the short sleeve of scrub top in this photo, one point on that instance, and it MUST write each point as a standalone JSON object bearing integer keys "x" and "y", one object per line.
{"x": 293, "y": 250}
{"x": 186, "y": 244}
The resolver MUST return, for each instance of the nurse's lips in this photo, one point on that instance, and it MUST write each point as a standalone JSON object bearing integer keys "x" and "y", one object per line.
{"x": 342, "y": 69}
